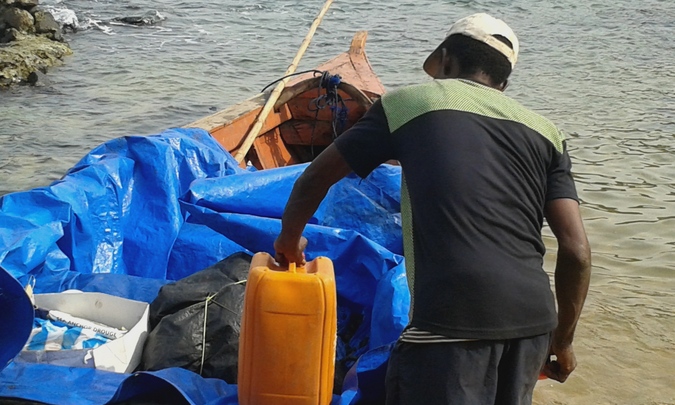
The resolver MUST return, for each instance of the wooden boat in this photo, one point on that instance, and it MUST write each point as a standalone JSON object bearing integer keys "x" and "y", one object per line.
{"x": 301, "y": 124}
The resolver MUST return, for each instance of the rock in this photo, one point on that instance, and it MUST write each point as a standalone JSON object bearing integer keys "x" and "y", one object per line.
{"x": 134, "y": 20}
{"x": 45, "y": 23}
{"x": 29, "y": 54}
{"x": 38, "y": 78}
{"x": 26, "y": 4}
{"x": 149, "y": 18}
{"x": 66, "y": 18}
{"x": 19, "y": 19}
{"x": 56, "y": 36}
{"x": 31, "y": 41}
{"x": 10, "y": 35}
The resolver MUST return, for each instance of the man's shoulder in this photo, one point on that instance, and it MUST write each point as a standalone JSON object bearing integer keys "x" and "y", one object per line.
{"x": 514, "y": 111}
{"x": 493, "y": 103}
{"x": 409, "y": 102}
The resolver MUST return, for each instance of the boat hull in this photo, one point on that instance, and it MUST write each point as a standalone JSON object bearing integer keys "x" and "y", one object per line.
{"x": 296, "y": 131}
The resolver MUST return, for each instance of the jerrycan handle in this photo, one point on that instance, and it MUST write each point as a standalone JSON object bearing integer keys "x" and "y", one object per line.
{"x": 295, "y": 269}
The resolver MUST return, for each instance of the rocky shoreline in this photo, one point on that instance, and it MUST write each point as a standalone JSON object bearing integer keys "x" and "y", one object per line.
{"x": 31, "y": 42}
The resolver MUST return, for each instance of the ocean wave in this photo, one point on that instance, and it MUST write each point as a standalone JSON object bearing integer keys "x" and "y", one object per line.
{"x": 70, "y": 21}
{"x": 64, "y": 16}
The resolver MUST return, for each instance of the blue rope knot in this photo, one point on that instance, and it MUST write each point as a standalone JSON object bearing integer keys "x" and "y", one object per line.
{"x": 333, "y": 101}
{"x": 334, "y": 80}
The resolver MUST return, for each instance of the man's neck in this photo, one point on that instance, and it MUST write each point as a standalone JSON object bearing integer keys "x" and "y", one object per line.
{"x": 481, "y": 78}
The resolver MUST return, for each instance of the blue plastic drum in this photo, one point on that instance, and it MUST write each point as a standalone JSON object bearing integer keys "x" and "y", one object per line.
{"x": 16, "y": 318}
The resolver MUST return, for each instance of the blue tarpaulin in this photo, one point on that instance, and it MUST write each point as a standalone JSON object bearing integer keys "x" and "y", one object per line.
{"x": 140, "y": 211}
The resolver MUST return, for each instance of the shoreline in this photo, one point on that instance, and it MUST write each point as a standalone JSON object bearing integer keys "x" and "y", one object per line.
{"x": 31, "y": 42}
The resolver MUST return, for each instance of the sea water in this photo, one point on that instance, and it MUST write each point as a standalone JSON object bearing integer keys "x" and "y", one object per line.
{"x": 603, "y": 70}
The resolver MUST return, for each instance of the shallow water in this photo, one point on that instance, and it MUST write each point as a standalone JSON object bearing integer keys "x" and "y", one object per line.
{"x": 602, "y": 70}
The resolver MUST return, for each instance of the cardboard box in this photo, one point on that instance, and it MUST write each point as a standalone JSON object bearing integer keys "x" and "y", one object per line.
{"x": 121, "y": 355}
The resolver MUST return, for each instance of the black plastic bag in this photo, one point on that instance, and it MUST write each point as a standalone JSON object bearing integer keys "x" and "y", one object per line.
{"x": 184, "y": 335}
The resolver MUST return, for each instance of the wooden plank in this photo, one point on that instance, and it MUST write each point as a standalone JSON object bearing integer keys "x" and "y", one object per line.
{"x": 353, "y": 67}
{"x": 307, "y": 133}
{"x": 358, "y": 45}
{"x": 231, "y": 135}
{"x": 271, "y": 151}
{"x": 300, "y": 109}
{"x": 230, "y": 114}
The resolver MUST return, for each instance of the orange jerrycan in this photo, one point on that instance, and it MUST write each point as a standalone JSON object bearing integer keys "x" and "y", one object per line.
{"x": 288, "y": 334}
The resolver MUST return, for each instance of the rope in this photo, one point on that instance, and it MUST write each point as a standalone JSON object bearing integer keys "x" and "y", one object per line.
{"x": 292, "y": 74}
{"x": 332, "y": 100}
{"x": 209, "y": 299}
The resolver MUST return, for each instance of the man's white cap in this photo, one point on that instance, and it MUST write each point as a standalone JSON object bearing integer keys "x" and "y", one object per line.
{"x": 481, "y": 27}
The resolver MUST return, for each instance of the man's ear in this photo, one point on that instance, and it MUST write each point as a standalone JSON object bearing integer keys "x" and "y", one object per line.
{"x": 504, "y": 85}
{"x": 446, "y": 63}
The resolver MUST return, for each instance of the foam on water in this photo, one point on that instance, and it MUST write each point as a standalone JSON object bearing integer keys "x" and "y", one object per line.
{"x": 65, "y": 17}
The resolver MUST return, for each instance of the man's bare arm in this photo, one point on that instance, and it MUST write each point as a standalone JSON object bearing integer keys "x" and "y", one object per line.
{"x": 308, "y": 192}
{"x": 572, "y": 278}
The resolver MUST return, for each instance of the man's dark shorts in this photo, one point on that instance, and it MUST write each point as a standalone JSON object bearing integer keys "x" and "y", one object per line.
{"x": 483, "y": 372}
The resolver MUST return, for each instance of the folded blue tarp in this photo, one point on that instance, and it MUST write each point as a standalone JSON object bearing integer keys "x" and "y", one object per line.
{"x": 140, "y": 211}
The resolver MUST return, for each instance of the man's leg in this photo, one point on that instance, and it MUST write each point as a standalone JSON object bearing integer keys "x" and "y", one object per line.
{"x": 459, "y": 373}
{"x": 519, "y": 369}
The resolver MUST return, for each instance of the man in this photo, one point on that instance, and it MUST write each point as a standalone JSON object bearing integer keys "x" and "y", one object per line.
{"x": 480, "y": 173}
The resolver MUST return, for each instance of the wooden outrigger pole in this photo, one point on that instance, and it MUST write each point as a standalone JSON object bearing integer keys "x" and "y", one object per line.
{"x": 269, "y": 105}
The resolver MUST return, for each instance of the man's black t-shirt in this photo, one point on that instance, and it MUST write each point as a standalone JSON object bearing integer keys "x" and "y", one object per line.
{"x": 478, "y": 169}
